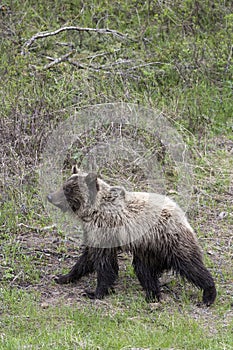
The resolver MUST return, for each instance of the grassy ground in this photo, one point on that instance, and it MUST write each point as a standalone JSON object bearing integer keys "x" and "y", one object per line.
{"x": 36, "y": 313}
{"x": 174, "y": 56}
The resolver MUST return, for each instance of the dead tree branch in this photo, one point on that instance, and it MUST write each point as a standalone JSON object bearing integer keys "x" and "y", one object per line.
{"x": 41, "y": 35}
{"x": 46, "y": 228}
{"x": 59, "y": 60}
{"x": 108, "y": 68}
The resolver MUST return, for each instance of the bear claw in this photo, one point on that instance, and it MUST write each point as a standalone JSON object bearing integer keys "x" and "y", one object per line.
{"x": 62, "y": 279}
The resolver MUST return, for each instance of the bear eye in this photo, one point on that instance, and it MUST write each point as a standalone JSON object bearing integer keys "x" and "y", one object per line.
{"x": 67, "y": 190}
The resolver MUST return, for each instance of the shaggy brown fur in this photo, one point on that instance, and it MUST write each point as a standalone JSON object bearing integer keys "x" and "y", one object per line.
{"x": 149, "y": 225}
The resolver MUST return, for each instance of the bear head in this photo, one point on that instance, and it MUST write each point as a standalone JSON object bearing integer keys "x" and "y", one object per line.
{"x": 78, "y": 191}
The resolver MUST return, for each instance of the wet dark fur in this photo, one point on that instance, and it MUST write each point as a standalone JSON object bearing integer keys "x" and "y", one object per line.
{"x": 168, "y": 244}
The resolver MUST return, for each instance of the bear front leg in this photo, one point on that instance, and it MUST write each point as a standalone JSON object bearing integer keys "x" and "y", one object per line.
{"x": 148, "y": 276}
{"x": 83, "y": 266}
{"x": 107, "y": 268}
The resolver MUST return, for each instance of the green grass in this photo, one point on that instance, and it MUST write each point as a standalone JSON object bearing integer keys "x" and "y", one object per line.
{"x": 131, "y": 324}
{"x": 192, "y": 45}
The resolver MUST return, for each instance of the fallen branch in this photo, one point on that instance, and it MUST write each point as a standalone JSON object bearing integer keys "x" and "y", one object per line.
{"x": 92, "y": 57}
{"x": 58, "y": 60}
{"x": 146, "y": 65}
{"x": 83, "y": 66}
{"x": 65, "y": 58}
{"x": 108, "y": 68}
{"x": 45, "y": 228}
{"x": 229, "y": 59}
{"x": 40, "y": 35}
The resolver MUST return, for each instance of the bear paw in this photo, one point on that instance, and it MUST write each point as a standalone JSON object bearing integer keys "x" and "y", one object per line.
{"x": 63, "y": 279}
{"x": 209, "y": 295}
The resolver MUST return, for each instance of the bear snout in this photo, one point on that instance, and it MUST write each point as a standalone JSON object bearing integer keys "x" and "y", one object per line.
{"x": 49, "y": 198}
{"x": 59, "y": 200}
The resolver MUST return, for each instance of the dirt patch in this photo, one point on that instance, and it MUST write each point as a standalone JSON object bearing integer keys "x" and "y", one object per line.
{"x": 54, "y": 255}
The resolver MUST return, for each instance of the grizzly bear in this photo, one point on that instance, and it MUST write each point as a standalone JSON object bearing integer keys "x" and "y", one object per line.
{"x": 150, "y": 226}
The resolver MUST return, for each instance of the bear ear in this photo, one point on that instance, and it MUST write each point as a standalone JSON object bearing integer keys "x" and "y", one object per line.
{"x": 75, "y": 170}
{"x": 91, "y": 180}
{"x": 117, "y": 192}
{"x": 93, "y": 186}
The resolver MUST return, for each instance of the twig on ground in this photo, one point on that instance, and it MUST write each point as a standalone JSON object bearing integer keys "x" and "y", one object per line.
{"x": 83, "y": 66}
{"x": 229, "y": 59}
{"x": 45, "y": 228}
{"x": 92, "y": 57}
{"x": 146, "y": 65}
{"x": 41, "y": 35}
{"x": 16, "y": 277}
{"x": 108, "y": 68}
{"x": 105, "y": 67}
{"x": 58, "y": 60}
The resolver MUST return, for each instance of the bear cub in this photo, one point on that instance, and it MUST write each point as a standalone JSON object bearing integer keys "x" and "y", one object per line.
{"x": 150, "y": 226}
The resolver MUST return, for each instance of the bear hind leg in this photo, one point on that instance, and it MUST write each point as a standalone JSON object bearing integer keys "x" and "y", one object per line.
{"x": 195, "y": 272}
{"x": 148, "y": 278}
